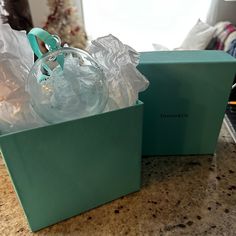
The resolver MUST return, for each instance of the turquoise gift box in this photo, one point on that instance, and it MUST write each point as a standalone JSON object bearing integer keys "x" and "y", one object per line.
{"x": 186, "y": 100}
{"x": 64, "y": 169}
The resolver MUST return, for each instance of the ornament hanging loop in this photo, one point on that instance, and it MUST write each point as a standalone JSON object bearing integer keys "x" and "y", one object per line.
{"x": 52, "y": 42}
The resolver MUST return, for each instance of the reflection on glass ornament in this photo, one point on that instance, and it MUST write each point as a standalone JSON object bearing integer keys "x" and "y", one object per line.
{"x": 65, "y": 83}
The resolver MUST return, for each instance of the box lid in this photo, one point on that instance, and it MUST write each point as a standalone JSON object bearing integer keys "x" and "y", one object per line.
{"x": 162, "y": 57}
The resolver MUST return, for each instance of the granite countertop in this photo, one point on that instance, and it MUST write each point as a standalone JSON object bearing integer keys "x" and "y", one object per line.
{"x": 184, "y": 195}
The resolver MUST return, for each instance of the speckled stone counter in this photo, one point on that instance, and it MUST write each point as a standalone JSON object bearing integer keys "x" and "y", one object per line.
{"x": 190, "y": 195}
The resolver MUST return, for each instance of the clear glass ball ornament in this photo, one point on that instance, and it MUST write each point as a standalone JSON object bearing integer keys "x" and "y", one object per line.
{"x": 67, "y": 84}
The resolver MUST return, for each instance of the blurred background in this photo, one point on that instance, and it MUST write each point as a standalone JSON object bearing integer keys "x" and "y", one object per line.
{"x": 137, "y": 23}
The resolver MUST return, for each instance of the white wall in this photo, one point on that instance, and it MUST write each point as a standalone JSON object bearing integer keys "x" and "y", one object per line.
{"x": 222, "y": 11}
{"x": 39, "y": 11}
{"x": 142, "y": 23}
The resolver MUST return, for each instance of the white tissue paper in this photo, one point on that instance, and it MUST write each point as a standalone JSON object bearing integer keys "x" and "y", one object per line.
{"x": 16, "y": 59}
{"x": 119, "y": 63}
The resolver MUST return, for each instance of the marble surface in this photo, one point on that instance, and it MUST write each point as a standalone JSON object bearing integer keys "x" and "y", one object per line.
{"x": 190, "y": 195}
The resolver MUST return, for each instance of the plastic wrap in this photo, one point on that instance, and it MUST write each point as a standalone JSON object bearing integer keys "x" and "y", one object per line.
{"x": 16, "y": 59}
{"x": 119, "y": 63}
{"x": 65, "y": 83}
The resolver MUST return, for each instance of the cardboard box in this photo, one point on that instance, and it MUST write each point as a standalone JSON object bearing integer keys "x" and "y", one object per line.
{"x": 61, "y": 170}
{"x": 186, "y": 100}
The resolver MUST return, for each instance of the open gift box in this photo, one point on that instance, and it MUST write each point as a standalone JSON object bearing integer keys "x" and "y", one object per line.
{"x": 61, "y": 170}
